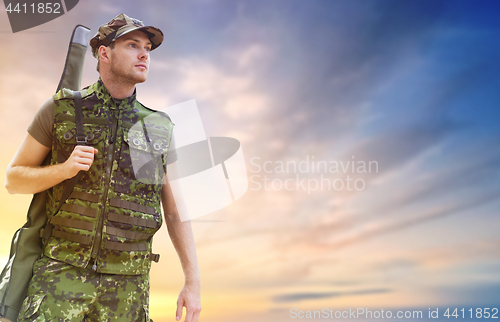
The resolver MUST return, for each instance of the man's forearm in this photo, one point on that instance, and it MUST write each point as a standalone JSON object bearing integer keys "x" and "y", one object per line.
{"x": 26, "y": 175}
{"x": 182, "y": 238}
{"x": 33, "y": 179}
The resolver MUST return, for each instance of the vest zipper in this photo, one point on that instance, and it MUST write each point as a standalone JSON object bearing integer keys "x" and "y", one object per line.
{"x": 109, "y": 167}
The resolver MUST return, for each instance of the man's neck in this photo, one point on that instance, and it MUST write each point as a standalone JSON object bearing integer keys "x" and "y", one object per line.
{"x": 118, "y": 90}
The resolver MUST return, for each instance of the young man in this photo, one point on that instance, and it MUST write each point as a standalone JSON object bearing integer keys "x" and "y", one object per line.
{"x": 97, "y": 247}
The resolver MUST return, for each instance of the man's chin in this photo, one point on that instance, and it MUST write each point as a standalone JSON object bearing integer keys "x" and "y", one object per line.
{"x": 140, "y": 78}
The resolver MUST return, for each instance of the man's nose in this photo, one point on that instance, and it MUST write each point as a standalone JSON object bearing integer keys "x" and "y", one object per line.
{"x": 143, "y": 53}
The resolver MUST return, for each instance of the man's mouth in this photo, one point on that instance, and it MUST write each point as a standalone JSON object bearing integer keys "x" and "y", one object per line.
{"x": 142, "y": 66}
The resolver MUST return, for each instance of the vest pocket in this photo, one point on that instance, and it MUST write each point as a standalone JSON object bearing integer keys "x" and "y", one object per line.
{"x": 141, "y": 164}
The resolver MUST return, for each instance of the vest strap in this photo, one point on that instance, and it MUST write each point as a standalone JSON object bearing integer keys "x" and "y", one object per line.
{"x": 132, "y": 235}
{"x": 84, "y": 196}
{"x": 73, "y": 223}
{"x": 79, "y": 210}
{"x": 126, "y": 247}
{"x": 71, "y": 237}
{"x": 81, "y": 138}
{"x": 119, "y": 203}
{"x": 154, "y": 257}
{"x": 123, "y": 219}
{"x": 46, "y": 232}
{"x": 68, "y": 188}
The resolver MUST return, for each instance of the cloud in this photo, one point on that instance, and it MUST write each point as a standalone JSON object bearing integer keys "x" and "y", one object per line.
{"x": 394, "y": 148}
{"x": 334, "y": 64}
{"x": 383, "y": 228}
{"x": 470, "y": 169}
{"x": 295, "y": 297}
{"x": 479, "y": 294}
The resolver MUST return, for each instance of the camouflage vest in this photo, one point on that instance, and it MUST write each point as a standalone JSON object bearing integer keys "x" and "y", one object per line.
{"x": 110, "y": 217}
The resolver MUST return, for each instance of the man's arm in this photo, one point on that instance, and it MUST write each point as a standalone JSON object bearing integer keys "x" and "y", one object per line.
{"x": 25, "y": 175}
{"x": 182, "y": 238}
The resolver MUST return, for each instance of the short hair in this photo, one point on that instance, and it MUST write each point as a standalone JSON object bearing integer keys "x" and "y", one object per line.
{"x": 112, "y": 46}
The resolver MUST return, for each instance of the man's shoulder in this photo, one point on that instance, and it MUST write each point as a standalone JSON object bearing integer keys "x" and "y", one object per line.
{"x": 139, "y": 106}
{"x": 65, "y": 93}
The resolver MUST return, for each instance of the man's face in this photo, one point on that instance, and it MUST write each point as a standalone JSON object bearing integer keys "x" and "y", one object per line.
{"x": 129, "y": 60}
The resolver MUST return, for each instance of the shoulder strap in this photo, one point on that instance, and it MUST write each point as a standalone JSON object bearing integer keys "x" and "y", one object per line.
{"x": 81, "y": 139}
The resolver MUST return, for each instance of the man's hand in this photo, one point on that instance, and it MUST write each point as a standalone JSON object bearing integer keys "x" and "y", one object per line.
{"x": 190, "y": 298}
{"x": 80, "y": 159}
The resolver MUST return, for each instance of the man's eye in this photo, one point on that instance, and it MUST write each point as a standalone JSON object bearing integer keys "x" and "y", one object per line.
{"x": 132, "y": 45}
{"x": 148, "y": 49}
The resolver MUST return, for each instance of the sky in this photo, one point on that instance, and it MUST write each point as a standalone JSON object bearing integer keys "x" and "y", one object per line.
{"x": 316, "y": 92}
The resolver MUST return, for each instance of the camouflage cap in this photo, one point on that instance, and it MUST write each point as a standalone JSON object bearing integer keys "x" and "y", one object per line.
{"x": 121, "y": 25}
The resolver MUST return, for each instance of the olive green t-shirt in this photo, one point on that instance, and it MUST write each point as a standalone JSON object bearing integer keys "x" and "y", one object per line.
{"x": 41, "y": 126}
{"x": 43, "y": 122}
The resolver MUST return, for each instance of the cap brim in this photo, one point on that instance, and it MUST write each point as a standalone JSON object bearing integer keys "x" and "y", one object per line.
{"x": 154, "y": 34}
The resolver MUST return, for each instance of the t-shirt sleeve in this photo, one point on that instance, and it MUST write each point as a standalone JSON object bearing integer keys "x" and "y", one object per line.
{"x": 41, "y": 126}
{"x": 172, "y": 153}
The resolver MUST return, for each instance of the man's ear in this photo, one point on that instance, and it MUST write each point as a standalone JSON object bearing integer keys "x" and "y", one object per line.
{"x": 104, "y": 54}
